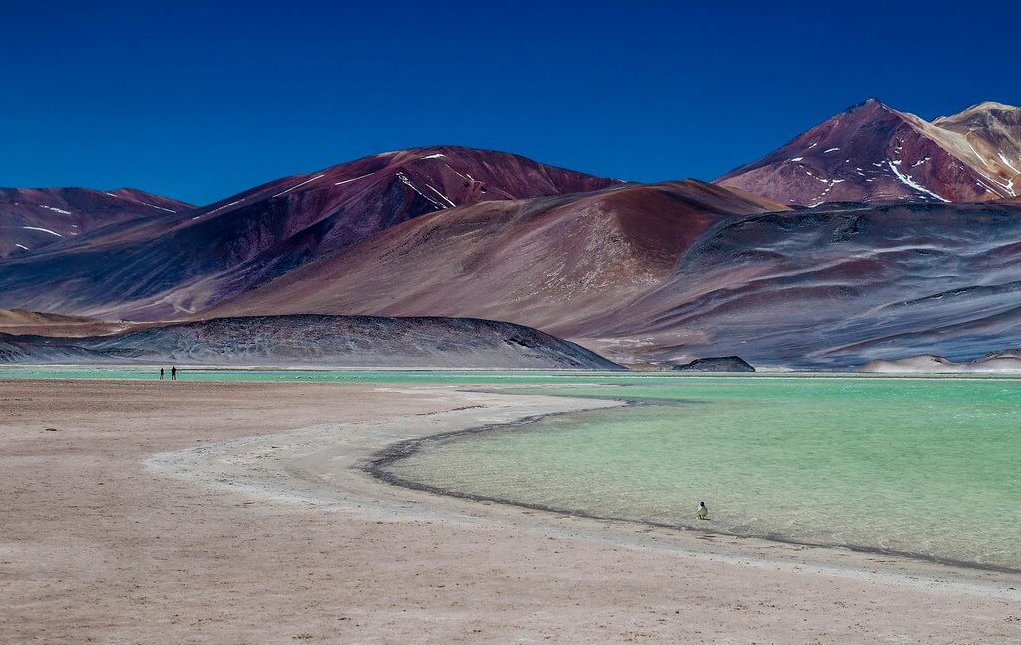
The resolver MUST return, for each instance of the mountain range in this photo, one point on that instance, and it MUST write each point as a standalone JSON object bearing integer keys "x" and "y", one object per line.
{"x": 873, "y": 235}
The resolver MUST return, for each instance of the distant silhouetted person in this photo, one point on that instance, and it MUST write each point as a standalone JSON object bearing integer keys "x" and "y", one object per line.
{"x": 173, "y": 373}
{"x": 162, "y": 372}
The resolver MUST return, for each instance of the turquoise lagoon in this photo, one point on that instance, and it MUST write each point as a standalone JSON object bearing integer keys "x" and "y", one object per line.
{"x": 929, "y": 467}
{"x": 924, "y": 467}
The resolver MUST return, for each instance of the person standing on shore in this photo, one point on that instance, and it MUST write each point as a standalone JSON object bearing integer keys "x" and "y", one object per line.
{"x": 162, "y": 372}
{"x": 173, "y": 373}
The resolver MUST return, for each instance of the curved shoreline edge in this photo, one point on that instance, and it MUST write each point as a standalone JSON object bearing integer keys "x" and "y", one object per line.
{"x": 327, "y": 466}
{"x": 376, "y": 467}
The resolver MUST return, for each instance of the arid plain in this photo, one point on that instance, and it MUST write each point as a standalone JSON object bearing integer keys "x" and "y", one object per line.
{"x": 237, "y": 512}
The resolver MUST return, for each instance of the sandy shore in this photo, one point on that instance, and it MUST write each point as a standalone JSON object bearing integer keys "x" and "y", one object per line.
{"x": 233, "y": 513}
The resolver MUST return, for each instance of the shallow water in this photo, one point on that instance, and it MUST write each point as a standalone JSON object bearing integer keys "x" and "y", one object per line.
{"x": 354, "y": 375}
{"x": 928, "y": 467}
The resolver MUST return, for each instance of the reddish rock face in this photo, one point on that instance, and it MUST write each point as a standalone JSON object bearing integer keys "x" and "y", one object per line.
{"x": 32, "y": 219}
{"x": 168, "y": 269}
{"x": 873, "y": 153}
{"x": 276, "y": 227}
{"x": 554, "y": 262}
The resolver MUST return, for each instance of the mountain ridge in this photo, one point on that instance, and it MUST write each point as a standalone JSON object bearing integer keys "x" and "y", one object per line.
{"x": 548, "y": 262}
{"x": 886, "y": 156}
{"x": 34, "y": 219}
{"x": 174, "y": 268}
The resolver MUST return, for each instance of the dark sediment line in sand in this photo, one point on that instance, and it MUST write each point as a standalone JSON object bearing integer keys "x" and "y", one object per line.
{"x": 377, "y": 464}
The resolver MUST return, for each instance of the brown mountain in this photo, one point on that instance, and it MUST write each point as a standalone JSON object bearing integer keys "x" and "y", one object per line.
{"x": 36, "y": 218}
{"x": 169, "y": 269}
{"x": 872, "y": 153}
{"x": 553, "y": 262}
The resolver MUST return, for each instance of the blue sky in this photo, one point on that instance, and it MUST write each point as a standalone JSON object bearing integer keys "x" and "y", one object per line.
{"x": 198, "y": 102}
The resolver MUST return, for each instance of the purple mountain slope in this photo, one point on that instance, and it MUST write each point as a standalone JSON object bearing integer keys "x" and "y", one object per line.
{"x": 32, "y": 219}
{"x": 875, "y": 154}
{"x": 836, "y": 288}
{"x": 167, "y": 271}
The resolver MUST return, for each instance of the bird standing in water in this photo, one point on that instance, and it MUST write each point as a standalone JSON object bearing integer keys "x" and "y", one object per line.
{"x": 703, "y": 512}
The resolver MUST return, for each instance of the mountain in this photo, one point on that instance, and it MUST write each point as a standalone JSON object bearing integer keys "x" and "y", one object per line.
{"x": 679, "y": 271}
{"x": 337, "y": 341}
{"x": 987, "y": 136}
{"x": 168, "y": 270}
{"x": 550, "y": 262}
{"x": 874, "y": 154}
{"x": 663, "y": 273}
{"x": 833, "y": 288}
{"x": 36, "y": 218}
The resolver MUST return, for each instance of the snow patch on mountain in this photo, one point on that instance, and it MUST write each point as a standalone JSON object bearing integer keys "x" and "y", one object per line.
{"x": 907, "y": 180}
{"x": 44, "y": 230}
{"x": 307, "y": 181}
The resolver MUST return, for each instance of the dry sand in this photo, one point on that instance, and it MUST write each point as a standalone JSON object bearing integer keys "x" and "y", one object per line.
{"x": 235, "y": 513}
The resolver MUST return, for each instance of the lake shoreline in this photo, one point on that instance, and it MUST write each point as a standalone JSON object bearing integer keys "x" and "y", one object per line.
{"x": 312, "y": 456}
{"x": 378, "y": 465}
{"x": 281, "y": 534}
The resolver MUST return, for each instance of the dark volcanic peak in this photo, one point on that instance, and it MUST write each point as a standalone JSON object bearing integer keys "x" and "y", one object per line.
{"x": 340, "y": 341}
{"x": 873, "y": 153}
{"x": 36, "y": 218}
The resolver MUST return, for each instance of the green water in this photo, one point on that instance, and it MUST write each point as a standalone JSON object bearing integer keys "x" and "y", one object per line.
{"x": 921, "y": 466}
{"x": 425, "y": 377}
{"x": 926, "y": 466}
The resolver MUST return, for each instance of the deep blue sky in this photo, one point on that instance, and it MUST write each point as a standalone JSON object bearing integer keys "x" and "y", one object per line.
{"x": 199, "y": 102}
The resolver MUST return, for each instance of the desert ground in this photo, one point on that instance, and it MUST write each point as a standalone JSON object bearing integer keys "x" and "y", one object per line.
{"x": 186, "y": 512}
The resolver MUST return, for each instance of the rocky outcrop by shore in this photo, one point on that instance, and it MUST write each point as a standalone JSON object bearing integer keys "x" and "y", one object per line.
{"x": 716, "y": 364}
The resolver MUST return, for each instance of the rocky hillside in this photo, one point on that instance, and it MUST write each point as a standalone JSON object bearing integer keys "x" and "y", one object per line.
{"x": 222, "y": 250}
{"x": 322, "y": 341}
{"x": 834, "y": 288}
{"x": 663, "y": 273}
{"x": 32, "y": 219}
{"x": 873, "y": 153}
{"x": 552, "y": 262}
